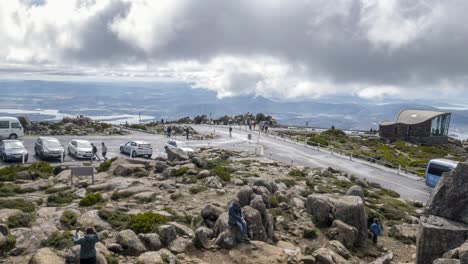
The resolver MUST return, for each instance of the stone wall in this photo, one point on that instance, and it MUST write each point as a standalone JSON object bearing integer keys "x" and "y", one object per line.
{"x": 418, "y": 133}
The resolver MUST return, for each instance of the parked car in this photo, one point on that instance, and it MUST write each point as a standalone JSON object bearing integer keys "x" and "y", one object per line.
{"x": 13, "y": 150}
{"x": 10, "y": 128}
{"x": 137, "y": 148}
{"x": 180, "y": 145}
{"x": 80, "y": 149}
{"x": 49, "y": 147}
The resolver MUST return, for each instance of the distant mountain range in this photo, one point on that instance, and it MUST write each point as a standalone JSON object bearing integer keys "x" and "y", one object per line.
{"x": 172, "y": 100}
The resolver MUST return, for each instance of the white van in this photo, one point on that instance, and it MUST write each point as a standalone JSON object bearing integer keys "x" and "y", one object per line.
{"x": 11, "y": 128}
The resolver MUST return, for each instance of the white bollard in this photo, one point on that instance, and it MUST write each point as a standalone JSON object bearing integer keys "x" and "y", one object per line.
{"x": 351, "y": 156}
{"x": 261, "y": 151}
{"x": 22, "y": 158}
{"x": 399, "y": 169}
{"x": 62, "y": 157}
{"x": 331, "y": 152}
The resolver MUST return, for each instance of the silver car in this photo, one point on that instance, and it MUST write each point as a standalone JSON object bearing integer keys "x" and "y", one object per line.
{"x": 13, "y": 150}
{"x": 49, "y": 147}
{"x": 137, "y": 148}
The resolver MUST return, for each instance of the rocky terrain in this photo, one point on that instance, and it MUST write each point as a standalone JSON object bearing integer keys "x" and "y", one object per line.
{"x": 79, "y": 126}
{"x": 177, "y": 130}
{"x": 175, "y": 211}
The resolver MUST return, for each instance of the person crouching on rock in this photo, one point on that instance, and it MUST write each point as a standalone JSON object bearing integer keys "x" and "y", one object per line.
{"x": 88, "y": 245}
{"x": 376, "y": 229}
{"x": 236, "y": 218}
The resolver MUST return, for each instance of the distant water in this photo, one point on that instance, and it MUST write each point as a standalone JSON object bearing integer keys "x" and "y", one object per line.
{"x": 56, "y": 115}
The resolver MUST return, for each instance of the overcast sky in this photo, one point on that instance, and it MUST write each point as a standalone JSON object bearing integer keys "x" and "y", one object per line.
{"x": 278, "y": 49}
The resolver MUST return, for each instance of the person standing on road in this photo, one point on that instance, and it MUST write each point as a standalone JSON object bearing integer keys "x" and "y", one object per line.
{"x": 187, "y": 132}
{"x": 104, "y": 151}
{"x": 230, "y": 131}
{"x": 376, "y": 229}
{"x": 169, "y": 130}
{"x": 95, "y": 150}
{"x": 87, "y": 245}
{"x": 165, "y": 131}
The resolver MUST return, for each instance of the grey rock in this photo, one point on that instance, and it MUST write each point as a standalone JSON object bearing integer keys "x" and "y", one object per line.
{"x": 258, "y": 204}
{"x": 91, "y": 218}
{"x": 454, "y": 253}
{"x": 436, "y": 236}
{"x": 199, "y": 162}
{"x": 213, "y": 182}
{"x": 308, "y": 260}
{"x": 176, "y": 154}
{"x": 4, "y": 229}
{"x": 180, "y": 245}
{"x": 151, "y": 241}
{"x": 386, "y": 259}
{"x": 182, "y": 230}
{"x": 160, "y": 166}
{"x": 446, "y": 261}
{"x": 256, "y": 229}
{"x": 130, "y": 243}
{"x": 328, "y": 256}
{"x": 210, "y": 213}
{"x": 321, "y": 208}
{"x": 344, "y": 233}
{"x": 114, "y": 247}
{"x": 150, "y": 257}
{"x": 167, "y": 233}
{"x": 46, "y": 256}
{"x": 203, "y": 237}
{"x": 127, "y": 169}
{"x": 463, "y": 253}
{"x": 168, "y": 173}
{"x": 350, "y": 209}
{"x": 339, "y": 248}
{"x": 203, "y": 174}
{"x": 355, "y": 191}
{"x": 244, "y": 195}
{"x": 406, "y": 233}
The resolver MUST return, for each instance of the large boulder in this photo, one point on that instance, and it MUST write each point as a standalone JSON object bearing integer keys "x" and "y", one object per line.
{"x": 406, "y": 233}
{"x": 150, "y": 257}
{"x": 176, "y": 154}
{"x": 180, "y": 245}
{"x": 151, "y": 241}
{"x": 46, "y": 256}
{"x": 355, "y": 191}
{"x": 213, "y": 182}
{"x": 182, "y": 230}
{"x": 254, "y": 221}
{"x": 203, "y": 237}
{"x": 91, "y": 218}
{"x": 130, "y": 243}
{"x": 160, "y": 166}
{"x": 449, "y": 199}
{"x": 436, "y": 236}
{"x": 221, "y": 224}
{"x": 245, "y": 195}
{"x": 328, "y": 256}
{"x": 127, "y": 169}
{"x": 350, "y": 209}
{"x": 167, "y": 233}
{"x": 344, "y": 233}
{"x": 339, "y": 248}
{"x": 385, "y": 259}
{"x": 227, "y": 237}
{"x": 199, "y": 162}
{"x": 210, "y": 213}
{"x": 321, "y": 208}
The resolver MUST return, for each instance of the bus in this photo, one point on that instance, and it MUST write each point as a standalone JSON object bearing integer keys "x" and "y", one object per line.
{"x": 436, "y": 168}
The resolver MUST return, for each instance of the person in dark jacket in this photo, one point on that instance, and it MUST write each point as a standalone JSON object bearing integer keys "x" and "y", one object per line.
{"x": 230, "y": 131}
{"x": 236, "y": 218}
{"x": 376, "y": 229}
{"x": 95, "y": 155}
{"x": 187, "y": 132}
{"x": 88, "y": 245}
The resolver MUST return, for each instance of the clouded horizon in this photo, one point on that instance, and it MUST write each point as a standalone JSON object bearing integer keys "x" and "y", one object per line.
{"x": 276, "y": 49}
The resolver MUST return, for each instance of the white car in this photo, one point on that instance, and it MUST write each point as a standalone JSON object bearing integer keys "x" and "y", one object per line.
{"x": 180, "y": 145}
{"x": 137, "y": 148}
{"x": 80, "y": 149}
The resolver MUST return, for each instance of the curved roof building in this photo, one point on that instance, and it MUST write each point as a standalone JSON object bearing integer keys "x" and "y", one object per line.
{"x": 420, "y": 126}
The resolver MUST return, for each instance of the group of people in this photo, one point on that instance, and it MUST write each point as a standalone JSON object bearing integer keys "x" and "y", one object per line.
{"x": 167, "y": 131}
{"x": 103, "y": 152}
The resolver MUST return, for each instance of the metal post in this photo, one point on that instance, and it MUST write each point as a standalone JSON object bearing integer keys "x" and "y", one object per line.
{"x": 22, "y": 158}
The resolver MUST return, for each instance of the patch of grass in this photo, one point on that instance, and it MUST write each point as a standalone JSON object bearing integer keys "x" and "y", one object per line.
{"x": 343, "y": 184}
{"x": 69, "y": 219}
{"x": 117, "y": 195}
{"x": 59, "y": 199}
{"x": 92, "y": 199}
{"x": 197, "y": 189}
{"x": 59, "y": 240}
{"x": 175, "y": 196}
{"x": 222, "y": 172}
{"x": 297, "y": 173}
{"x": 273, "y": 200}
{"x": 21, "y": 220}
{"x": 19, "y": 204}
{"x": 317, "y": 139}
{"x": 10, "y": 189}
{"x": 388, "y": 192}
{"x": 310, "y": 233}
{"x": 116, "y": 219}
{"x": 111, "y": 260}
{"x": 323, "y": 188}
{"x": 181, "y": 171}
{"x": 146, "y": 222}
{"x": 105, "y": 166}
{"x": 10, "y": 243}
{"x": 288, "y": 182}
{"x": 141, "y": 174}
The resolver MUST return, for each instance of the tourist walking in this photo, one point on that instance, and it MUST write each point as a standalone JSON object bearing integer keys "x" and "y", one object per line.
{"x": 169, "y": 131}
{"x": 236, "y": 218}
{"x": 95, "y": 150}
{"x": 187, "y": 132}
{"x": 104, "y": 151}
{"x": 375, "y": 229}
{"x": 230, "y": 131}
{"x": 165, "y": 131}
{"x": 87, "y": 245}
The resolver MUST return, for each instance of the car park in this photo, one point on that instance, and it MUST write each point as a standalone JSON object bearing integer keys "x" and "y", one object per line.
{"x": 179, "y": 145}
{"x": 49, "y": 148}
{"x": 136, "y": 149}
{"x": 10, "y": 128}
{"x": 13, "y": 150}
{"x": 80, "y": 149}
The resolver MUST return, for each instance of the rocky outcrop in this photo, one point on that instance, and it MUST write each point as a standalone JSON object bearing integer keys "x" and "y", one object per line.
{"x": 356, "y": 191}
{"x": 203, "y": 236}
{"x": 150, "y": 257}
{"x": 255, "y": 225}
{"x": 210, "y": 213}
{"x": 176, "y": 154}
{"x": 328, "y": 256}
{"x": 344, "y": 233}
{"x": 445, "y": 223}
{"x": 46, "y": 256}
{"x": 406, "y": 233}
{"x": 130, "y": 243}
{"x": 350, "y": 209}
{"x": 321, "y": 208}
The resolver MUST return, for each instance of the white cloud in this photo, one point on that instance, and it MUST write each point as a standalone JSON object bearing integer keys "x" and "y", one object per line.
{"x": 279, "y": 49}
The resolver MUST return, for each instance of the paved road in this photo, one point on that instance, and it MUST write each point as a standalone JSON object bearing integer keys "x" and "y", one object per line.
{"x": 409, "y": 187}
